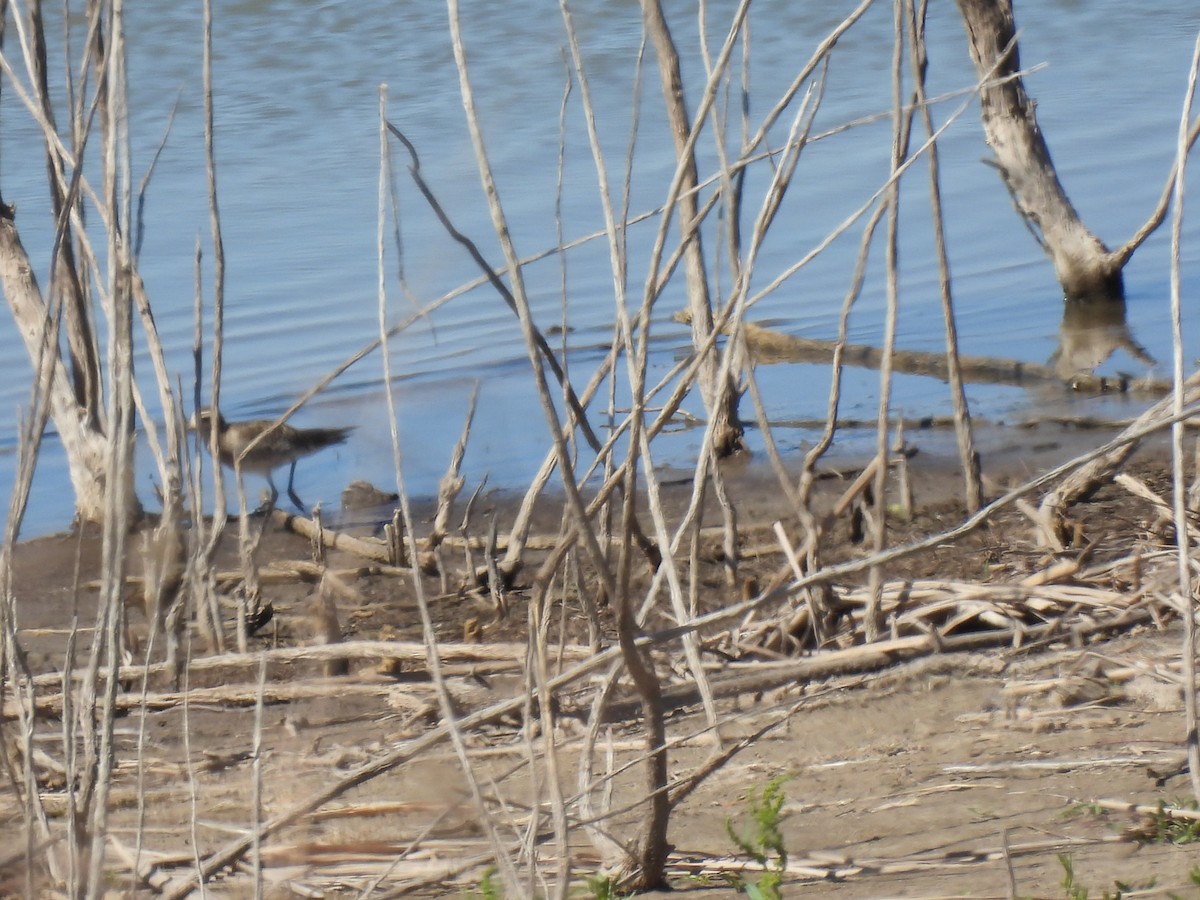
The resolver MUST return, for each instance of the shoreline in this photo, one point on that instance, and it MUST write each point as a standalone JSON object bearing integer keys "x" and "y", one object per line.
{"x": 1009, "y": 454}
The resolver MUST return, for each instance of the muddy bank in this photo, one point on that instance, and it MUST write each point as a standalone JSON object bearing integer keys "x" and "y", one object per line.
{"x": 914, "y": 772}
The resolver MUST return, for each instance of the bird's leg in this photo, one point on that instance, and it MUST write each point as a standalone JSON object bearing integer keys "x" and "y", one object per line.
{"x": 267, "y": 507}
{"x": 292, "y": 491}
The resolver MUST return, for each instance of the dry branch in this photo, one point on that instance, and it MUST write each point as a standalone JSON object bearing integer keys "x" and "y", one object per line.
{"x": 332, "y": 540}
{"x": 756, "y": 677}
{"x": 247, "y": 695}
{"x": 408, "y": 653}
{"x": 835, "y": 866}
{"x": 1082, "y": 482}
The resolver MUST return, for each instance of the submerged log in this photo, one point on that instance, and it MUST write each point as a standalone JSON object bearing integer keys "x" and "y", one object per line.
{"x": 770, "y": 346}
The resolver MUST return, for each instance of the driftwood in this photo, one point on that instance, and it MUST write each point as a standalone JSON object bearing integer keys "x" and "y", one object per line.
{"x": 412, "y": 652}
{"x": 411, "y": 695}
{"x": 837, "y": 865}
{"x": 756, "y": 677}
{"x": 1087, "y": 478}
{"x": 367, "y": 548}
{"x": 770, "y": 346}
{"x": 379, "y": 551}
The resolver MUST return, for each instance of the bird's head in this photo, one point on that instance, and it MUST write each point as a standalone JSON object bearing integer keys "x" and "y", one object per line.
{"x": 203, "y": 420}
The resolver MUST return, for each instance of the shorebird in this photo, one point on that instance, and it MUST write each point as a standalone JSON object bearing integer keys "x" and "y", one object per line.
{"x": 281, "y": 444}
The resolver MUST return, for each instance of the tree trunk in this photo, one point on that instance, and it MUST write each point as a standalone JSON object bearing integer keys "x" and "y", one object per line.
{"x": 66, "y": 283}
{"x": 720, "y": 397}
{"x": 1082, "y": 263}
{"x": 85, "y": 446}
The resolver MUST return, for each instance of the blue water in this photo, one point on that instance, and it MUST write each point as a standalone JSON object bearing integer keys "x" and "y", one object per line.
{"x": 297, "y": 143}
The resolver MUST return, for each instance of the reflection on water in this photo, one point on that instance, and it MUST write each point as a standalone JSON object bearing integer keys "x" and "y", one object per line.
{"x": 1093, "y": 328}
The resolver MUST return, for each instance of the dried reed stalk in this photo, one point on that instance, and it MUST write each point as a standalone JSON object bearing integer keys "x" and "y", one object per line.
{"x": 968, "y": 457}
{"x": 503, "y": 860}
{"x": 1184, "y": 563}
{"x": 901, "y": 131}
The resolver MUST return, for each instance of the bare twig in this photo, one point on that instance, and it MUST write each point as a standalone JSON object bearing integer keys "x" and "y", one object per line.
{"x": 449, "y": 714}
{"x": 901, "y": 129}
{"x": 968, "y": 457}
{"x": 1186, "y": 586}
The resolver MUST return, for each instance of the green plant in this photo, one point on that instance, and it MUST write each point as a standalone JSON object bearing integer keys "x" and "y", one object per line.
{"x": 1086, "y": 808}
{"x": 489, "y": 888}
{"x": 1164, "y": 828}
{"x": 602, "y": 887}
{"x": 762, "y": 841}
{"x": 1074, "y": 891}
{"x": 1193, "y": 876}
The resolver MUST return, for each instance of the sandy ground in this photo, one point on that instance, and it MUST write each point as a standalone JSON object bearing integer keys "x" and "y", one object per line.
{"x": 941, "y": 775}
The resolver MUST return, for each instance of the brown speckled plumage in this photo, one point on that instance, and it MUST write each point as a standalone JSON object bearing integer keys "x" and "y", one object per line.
{"x": 281, "y": 445}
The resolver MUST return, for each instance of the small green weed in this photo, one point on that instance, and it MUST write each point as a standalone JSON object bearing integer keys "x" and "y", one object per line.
{"x": 489, "y": 887}
{"x": 1086, "y": 808}
{"x": 602, "y": 887}
{"x": 762, "y": 841}
{"x": 1076, "y": 891}
{"x": 1166, "y": 829}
